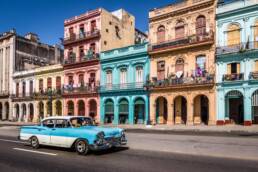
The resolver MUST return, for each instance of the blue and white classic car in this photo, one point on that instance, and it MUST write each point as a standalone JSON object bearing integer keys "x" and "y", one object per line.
{"x": 72, "y": 132}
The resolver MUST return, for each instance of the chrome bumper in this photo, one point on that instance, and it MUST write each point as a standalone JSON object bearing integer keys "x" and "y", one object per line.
{"x": 109, "y": 142}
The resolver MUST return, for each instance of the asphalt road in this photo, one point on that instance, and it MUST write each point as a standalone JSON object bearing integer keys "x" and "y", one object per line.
{"x": 15, "y": 156}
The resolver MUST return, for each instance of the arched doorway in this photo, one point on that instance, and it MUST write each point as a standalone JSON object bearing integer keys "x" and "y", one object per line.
{"x": 123, "y": 111}
{"x": 255, "y": 107}
{"x": 70, "y": 106}
{"x": 31, "y": 110}
{"x": 7, "y": 108}
{"x": 139, "y": 111}
{"x": 41, "y": 110}
{"x": 24, "y": 112}
{"x": 109, "y": 111}
{"x": 201, "y": 109}
{"x": 81, "y": 108}
{"x": 17, "y": 112}
{"x": 180, "y": 110}
{"x": 49, "y": 108}
{"x": 1, "y": 111}
{"x": 161, "y": 110}
{"x": 58, "y": 108}
{"x": 93, "y": 108}
{"x": 234, "y": 107}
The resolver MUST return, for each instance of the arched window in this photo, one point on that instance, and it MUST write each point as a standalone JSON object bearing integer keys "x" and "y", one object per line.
{"x": 49, "y": 83}
{"x": 139, "y": 74}
{"x": 58, "y": 83}
{"x": 233, "y": 36}
{"x": 200, "y": 25}
{"x": 123, "y": 76}
{"x": 180, "y": 30}
{"x": 41, "y": 85}
{"x": 256, "y": 34}
{"x": 179, "y": 67}
{"x": 200, "y": 65}
{"x": 81, "y": 79}
{"x": 161, "y": 34}
{"x": 23, "y": 89}
{"x": 109, "y": 77}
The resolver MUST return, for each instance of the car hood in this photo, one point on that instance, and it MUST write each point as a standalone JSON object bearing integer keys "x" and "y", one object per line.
{"x": 109, "y": 132}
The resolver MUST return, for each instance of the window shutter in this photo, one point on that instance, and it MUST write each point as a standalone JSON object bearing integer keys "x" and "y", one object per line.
{"x": 256, "y": 65}
{"x": 238, "y": 67}
{"x": 228, "y": 68}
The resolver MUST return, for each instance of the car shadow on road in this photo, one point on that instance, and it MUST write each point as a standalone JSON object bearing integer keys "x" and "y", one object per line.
{"x": 109, "y": 151}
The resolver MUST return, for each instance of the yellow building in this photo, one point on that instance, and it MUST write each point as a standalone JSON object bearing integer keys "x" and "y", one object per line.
{"x": 182, "y": 65}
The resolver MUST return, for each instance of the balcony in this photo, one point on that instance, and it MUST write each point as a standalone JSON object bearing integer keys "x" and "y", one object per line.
{"x": 121, "y": 87}
{"x": 22, "y": 95}
{"x": 237, "y": 48}
{"x": 4, "y": 93}
{"x": 233, "y": 77}
{"x": 185, "y": 42}
{"x": 73, "y": 38}
{"x": 48, "y": 94}
{"x": 86, "y": 88}
{"x": 253, "y": 75}
{"x": 89, "y": 57}
{"x": 174, "y": 82}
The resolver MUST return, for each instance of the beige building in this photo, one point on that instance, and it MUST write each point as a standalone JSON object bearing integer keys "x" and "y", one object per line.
{"x": 182, "y": 65}
{"x": 38, "y": 93}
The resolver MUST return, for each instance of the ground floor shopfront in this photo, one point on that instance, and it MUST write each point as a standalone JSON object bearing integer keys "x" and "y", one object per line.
{"x": 237, "y": 104}
{"x": 124, "y": 108}
{"x": 190, "y": 106}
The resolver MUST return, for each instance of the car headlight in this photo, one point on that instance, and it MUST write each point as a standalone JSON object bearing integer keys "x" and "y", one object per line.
{"x": 100, "y": 138}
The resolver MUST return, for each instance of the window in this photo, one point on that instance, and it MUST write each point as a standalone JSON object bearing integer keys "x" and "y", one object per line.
{"x": 179, "y": 67}
{"x": 233, "y": 35}
{"x": 49, "y": 83}
{"x": 123, "y": 76}
{"x": 200, "y": 25}
{"x": 161, "y": 70}
{"x": 233, "y": 68}
{"x": 117, "y": 32}
{"x": 58, "y": 83}
{"x": 180, "y": 30}
{"x": 161, "y": 34}
{"x": 70, "y": 80}
{"x": 93, "y": 47}
{"x": 139, "y": 74}
{"x": 107, "y": 30}
{"x": 81, "y": 52}
{"x": 105, "y": 42}
{"x": 256, "y": 34}
{"x": 48, "y": 123}
{"x": 93, "y": 25}
{"x": 256, "y": 66}
{"x": 61, "y": 123}
{"x": 31, "y": 87}
{"x": 23, "y": 88}
{"x": 81, "y": 31}
{"x": 41, "y": 85}
{"x": 17, "y": 89}
{"x": 200, "y": 62}
{"x": 109, "y": 77}
{"x": 71, "y": 33}
{"x": 81, "y": 79}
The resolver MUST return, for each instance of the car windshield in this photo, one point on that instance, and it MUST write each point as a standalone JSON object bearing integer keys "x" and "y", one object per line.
{"x": 81, "y": 122}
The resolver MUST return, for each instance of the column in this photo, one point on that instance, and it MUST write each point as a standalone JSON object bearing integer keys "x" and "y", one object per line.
{"x": 45, "y": 109}
{"x": 102, "y": 111}
{"x": 212, "y": 109}
{"x": 189, "y": 111}
{"x": 87, "y": 107}
{"x": 131, "y": 111}
{"x": 3, "y": 111}
{"x": 36, "y": 112}
{"x": 220, "y": 107}
{"x": 14, "y": 114}
{"x": 152, "y": 109}
{"x": 54, "y": 108}
{"x": 147, "y": 116}
{"x": 27, "y": 113}
{"x": 76, "y": 108}
{"x": 116, "y": 113}
{"x": 20, "y": 114}
{"x": 247, "y": 108}
{"x": 170, "y": 107}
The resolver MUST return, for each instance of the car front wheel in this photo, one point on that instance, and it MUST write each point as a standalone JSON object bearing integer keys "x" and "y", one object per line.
{"x": 82, "y": 147}
{"x": 34, "y": 142}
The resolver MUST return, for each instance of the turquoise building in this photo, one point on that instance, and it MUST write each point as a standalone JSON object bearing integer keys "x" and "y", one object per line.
{"x": 237, "y": 62}
{"x": 123, "y": 95}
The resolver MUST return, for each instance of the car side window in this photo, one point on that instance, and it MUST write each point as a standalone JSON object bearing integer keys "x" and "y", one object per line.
{"x": 61, "y": 123}
{"x": 48, "y": 123}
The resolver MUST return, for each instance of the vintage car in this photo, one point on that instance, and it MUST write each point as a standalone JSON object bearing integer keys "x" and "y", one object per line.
{"x": 72, "y": 132}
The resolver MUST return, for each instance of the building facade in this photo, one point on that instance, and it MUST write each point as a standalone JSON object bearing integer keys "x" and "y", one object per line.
{"x": 85, "y": 37}
{"x": 182, "y": 63}
{"x": 38, "y": 93}
{"x": 237, "y": 62}
{"x": 123, "y": 95}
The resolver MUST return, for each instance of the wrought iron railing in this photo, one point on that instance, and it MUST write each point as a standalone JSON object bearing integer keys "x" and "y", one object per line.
{"x": 184, "y": 41}
{"x": 233, "y": 77}
{"x": 253, "y": 75}
{"x": 81, "y": 36}
{"x": 23, "y": 95}
{"x": 88, "y": 57}
{"x": 48, "y": 93}
{"x": 125, "y": 86}
{"x": 183, "y": 81}
{"x": 82, "y": 88}
{"x": 4, "y": 93}
{"x": 242, "y": 47}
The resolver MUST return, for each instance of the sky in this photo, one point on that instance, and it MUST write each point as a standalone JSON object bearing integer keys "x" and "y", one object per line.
{"x": 46, "y": 17}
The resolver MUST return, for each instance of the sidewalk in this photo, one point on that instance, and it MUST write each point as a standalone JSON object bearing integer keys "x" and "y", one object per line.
{"x": 197, "y": 129}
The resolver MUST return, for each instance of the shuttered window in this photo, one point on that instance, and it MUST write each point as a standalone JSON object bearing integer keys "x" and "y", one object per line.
{"x": 139, "y": 74}
{"x": 256, "y": 34}
{"x": 161, "y": 34}
{"x": 233, "y": 36}
{"x": 256, "y": 66}
{"x": 179, "y": 30}
{"x": 161, "y": 70}
{"x": 200, "y": 25}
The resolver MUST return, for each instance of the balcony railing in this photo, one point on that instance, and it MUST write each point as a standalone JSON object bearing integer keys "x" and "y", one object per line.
{"x": 81, "y": 89}
{"x": 82, "y": 36}
{"x": 253, "y": 75}
{"x": 22, "y": 95}
{"x": 120, "y": 87}
{"x": 88, "y": 57}
{"x": 183, "y": 81}
{"x": 233, "y": 77}
{"x": 237, "y": 48}
{"x": 184, "y": 41}
{"x": 4, "y": 93}
{"x": 48, "y": 93}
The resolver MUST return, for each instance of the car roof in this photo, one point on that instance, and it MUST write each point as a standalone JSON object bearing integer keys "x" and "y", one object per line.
{"x": 64, "y": 117}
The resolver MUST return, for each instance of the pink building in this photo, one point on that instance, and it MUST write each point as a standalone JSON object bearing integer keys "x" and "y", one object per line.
{"x": 85, "y": 36}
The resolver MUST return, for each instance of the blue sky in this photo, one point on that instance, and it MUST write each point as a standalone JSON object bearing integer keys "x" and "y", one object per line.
{"x": 46, "y": 17}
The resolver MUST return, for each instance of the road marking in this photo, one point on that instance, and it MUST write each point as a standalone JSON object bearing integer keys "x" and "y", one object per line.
{"x": 38, "y": 152}
{"x": 12, "y": 141}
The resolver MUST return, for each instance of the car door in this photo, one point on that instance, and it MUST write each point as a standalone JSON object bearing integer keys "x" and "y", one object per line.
{"x": 59, "y": 133}
{"x": 44, "y": 132}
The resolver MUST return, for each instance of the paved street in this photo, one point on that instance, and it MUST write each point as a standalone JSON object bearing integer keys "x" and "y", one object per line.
{"x": 146, "y": 152}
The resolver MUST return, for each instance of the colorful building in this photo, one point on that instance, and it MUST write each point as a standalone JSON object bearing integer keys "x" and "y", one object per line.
{"x": 85, "y": 36}
{"x": 182, "y": 63}
{"x": 123, "y": 95}
{"x": 38, "y": 93}
{"x": 237, "y": 62}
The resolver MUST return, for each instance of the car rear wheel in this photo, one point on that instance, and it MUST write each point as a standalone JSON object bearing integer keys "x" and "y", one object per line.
{"x": 82, "y": 147}
{"x": 34, "y": 142}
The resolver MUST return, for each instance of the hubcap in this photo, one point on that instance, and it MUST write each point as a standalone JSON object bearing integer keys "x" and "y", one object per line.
{"x": 34, "y": 142}
{"x": 81, "y": 147}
